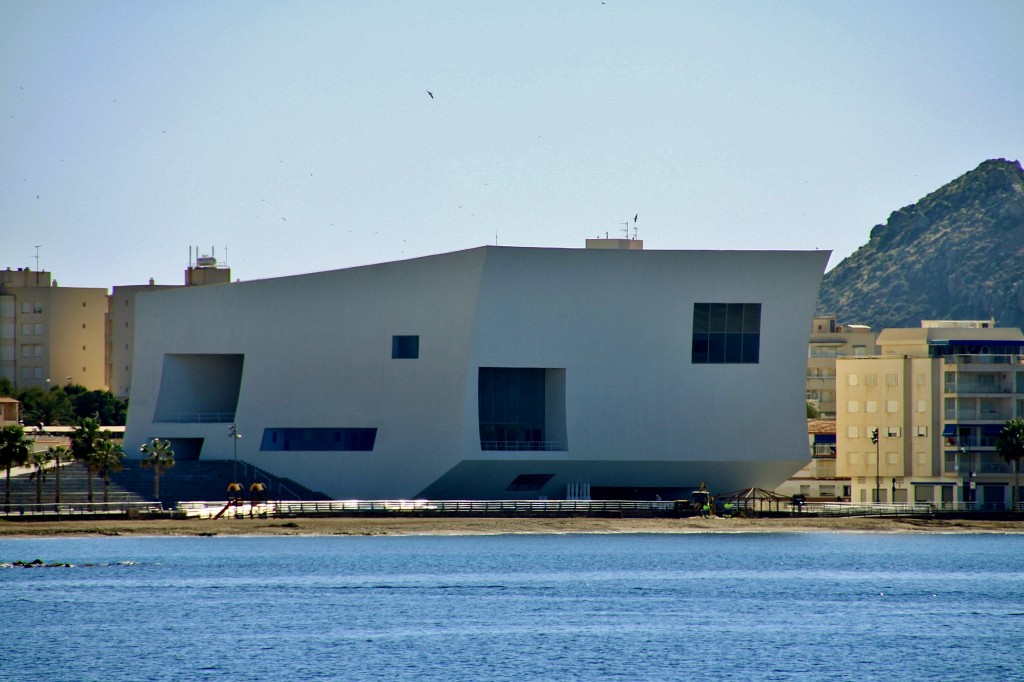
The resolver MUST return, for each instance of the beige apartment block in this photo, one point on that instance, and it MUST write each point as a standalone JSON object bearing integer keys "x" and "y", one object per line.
{"x": 938, "y": 397}
{"x": 828, "y": 342}
{"x": 51, "y": 335}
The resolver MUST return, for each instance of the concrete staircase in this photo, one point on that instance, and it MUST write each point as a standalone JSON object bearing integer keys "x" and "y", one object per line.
{"x": 187, "y": 480}
{"x": 74, "y": 487}
{"x": 192, "y": 480}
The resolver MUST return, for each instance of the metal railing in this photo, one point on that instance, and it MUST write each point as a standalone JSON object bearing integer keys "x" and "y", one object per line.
{"x": 980, "y": 359}
{"x": 207, "y": 509}
{"x": 517, "y": 446}
{"x": 71, "y": 508}
{"x": 258, "y": 473}
{"x": 194, "y": 418}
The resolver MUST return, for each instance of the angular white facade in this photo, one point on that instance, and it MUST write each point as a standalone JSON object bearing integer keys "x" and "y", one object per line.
{"x": 492, "y": 373}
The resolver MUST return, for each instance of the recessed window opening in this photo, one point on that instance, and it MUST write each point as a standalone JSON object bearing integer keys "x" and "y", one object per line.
{"x": 521, "y": 408}
{"x": 405, "y": 347}
{"x": 329, "y": 439}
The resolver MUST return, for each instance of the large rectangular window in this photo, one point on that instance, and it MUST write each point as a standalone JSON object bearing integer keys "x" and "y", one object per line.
{"x": 726, "y": 333}
{"x": 328, "y": 439}
{"x": 521, "y": 408}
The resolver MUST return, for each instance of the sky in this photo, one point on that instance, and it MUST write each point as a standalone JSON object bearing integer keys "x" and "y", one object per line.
{"x": 293, "y": 137}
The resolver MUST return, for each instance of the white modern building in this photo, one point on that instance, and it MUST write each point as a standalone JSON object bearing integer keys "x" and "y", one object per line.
{"x": 492, "y": 373}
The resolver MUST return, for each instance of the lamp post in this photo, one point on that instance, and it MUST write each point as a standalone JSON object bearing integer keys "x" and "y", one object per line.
{"x": 878, "y": 477}
{"x": 961, "y": 450}
{"x": 235, "y": 435}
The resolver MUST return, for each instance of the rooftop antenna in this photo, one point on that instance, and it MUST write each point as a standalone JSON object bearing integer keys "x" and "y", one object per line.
{"x": 37, "y": 257}
{"x": 626, "y": 228}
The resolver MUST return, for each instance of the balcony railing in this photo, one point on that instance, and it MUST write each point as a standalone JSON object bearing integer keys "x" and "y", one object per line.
{"x": 195, "y": 417}
{"x": 971, "y": 387}
{"x": 984, "y": 359}
{"x": 968, "y": 413}
{"x": 522, "y": 446}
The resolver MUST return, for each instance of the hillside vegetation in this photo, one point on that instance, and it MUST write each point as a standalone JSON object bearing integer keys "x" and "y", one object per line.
{"x": 958, "y": 253}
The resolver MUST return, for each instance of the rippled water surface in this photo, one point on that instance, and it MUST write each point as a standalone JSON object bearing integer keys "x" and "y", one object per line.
{"x": 801, "y": 606}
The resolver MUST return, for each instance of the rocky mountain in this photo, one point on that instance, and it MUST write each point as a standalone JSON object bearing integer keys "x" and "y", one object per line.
{"x": 957, "y": 254}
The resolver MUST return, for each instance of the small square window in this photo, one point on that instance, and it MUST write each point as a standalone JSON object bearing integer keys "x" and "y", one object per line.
{"x": 405, "y": 347}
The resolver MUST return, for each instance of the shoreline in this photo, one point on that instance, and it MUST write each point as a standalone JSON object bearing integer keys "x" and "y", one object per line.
{"x": 404, "y": 526}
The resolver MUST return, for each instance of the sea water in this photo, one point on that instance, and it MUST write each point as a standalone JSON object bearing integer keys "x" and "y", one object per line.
{"x": 779, "y": 606}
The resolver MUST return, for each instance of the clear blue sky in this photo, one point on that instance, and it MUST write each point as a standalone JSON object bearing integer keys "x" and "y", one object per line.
{"x": 300, "y": 135}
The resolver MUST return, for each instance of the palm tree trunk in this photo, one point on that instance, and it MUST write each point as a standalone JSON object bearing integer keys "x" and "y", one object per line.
{"x": 156, "y": 484}
{"x": 56, "y": 494}
{"x": 39, "y": 485}
{"x": 106, "y": 489}
{"x": 7, "y": 487}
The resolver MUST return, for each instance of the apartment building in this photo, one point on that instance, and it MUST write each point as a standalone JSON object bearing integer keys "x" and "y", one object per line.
{"x": 51, "y": 335}
{"x": 829, "y": 341}
{"x": 938, "y": 396}
{"x": 818, "y": 480}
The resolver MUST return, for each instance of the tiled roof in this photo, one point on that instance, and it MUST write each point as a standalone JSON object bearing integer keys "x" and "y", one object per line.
{"x": 821, "y": 426}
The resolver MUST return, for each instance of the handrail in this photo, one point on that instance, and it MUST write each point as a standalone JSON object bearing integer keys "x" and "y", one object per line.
{"x": 521, "y": 446}
{"x": 74, "y": 508}
{"x": 257, "y": 472}
{"x": 194, "y": 417}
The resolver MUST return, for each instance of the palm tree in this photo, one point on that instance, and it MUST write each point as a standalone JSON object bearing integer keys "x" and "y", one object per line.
{"x": 59, "y": 453}
{"x": 1010, "y": 446}
{"x": 39, "y": 459}
{"x": 107, "y": 460}
{"x": 159, "y": 458}
{"x": 84, "y": 443}
{"x": 14, "y": 451}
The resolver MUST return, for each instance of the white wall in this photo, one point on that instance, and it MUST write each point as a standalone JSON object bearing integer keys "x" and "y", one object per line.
{"x": 318, "y": 353}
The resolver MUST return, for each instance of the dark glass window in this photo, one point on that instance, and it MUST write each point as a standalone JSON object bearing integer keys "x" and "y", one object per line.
{"x": 512, "y": 409}
{"x": 726, "y": 333}
{"x": 405, "y": 347}
{"x": 319, "y": 439}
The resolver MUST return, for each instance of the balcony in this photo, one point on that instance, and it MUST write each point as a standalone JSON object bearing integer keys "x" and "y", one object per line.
{"x": 966, "y": 387}
{"x": 965, "y": 413}
{"x": 984, "y": 360}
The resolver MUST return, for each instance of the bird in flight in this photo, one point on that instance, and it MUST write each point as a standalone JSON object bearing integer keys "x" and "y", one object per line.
{"x": 431, "y": 94}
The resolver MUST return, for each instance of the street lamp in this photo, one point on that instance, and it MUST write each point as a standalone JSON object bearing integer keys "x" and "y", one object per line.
{"x": 235, "y": 435}
{"x": 878, "y": 485}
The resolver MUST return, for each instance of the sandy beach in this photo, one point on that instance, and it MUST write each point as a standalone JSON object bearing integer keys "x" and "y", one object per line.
{"x": 491, "y": 526}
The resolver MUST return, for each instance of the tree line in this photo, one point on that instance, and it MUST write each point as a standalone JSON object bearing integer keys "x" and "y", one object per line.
{"x": 90, "y": 445}
{"x": 66, "y": 405}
